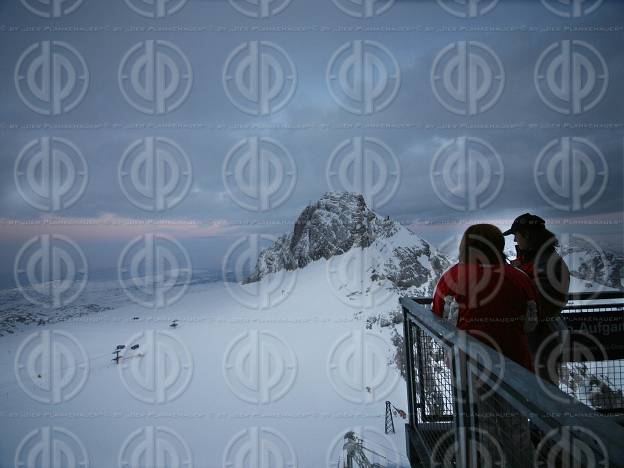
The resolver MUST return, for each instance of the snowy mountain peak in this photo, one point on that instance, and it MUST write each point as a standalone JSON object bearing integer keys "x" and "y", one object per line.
{"x": 331, "y": 226}
{"x": 343, "y": 220}
{"x": 340, "y": 221}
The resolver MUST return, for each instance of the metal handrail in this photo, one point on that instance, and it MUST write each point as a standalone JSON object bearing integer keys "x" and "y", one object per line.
{"x": 518, "y": 385}
{"x": 573, "y": 296}
{"x": 588, "y": 295}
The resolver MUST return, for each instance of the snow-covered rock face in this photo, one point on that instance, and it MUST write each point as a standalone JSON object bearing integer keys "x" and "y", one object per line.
{"x": 331, "y": 226}
{"x": 340, "y": 221}
{"x": 591, "y": 263}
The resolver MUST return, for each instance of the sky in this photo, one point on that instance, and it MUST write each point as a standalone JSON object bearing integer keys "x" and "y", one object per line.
{"x": 411, "y": 48}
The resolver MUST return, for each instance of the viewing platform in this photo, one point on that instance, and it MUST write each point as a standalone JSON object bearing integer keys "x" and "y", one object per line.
{"x": 470, "y": 406}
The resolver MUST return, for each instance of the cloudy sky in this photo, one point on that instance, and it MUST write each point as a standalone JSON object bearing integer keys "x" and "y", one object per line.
{"x": 410, "y": 49}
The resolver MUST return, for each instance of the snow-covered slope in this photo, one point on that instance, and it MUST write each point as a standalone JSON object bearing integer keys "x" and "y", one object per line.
{"x": 225, "y": 384}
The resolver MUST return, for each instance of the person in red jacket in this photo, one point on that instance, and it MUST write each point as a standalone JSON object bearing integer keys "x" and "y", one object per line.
{"x": 486, "y": 297}
{"x": 536, "y": 249}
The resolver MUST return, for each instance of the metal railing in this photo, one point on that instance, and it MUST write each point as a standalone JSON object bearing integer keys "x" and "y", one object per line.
{"x": 470, "y": 406}
{"x": 593, "y": 367}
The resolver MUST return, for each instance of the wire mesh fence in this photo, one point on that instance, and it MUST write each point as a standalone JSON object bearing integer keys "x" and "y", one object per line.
{"x": 594, "y": 374}
{"x": 586, "y": 373}
{"x": 432, "y": 393}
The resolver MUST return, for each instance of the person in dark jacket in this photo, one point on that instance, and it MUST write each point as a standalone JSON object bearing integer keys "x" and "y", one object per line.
{"x": 536, "y": 249}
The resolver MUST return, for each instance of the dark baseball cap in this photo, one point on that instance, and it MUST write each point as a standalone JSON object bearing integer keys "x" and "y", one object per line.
{"x": 525, "y": 221}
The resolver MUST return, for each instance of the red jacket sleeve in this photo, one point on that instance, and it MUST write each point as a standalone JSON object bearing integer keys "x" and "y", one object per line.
{"x": 440, "y": 292}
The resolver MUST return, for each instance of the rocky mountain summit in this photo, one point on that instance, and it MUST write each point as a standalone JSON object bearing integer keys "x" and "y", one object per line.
{"x": 341, "y": 221}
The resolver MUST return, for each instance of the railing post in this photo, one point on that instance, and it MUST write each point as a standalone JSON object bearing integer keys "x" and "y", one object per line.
{"x": 409, "y": 364}
{"x": 466, "y": 455}
{"x": 421, "y": 375}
